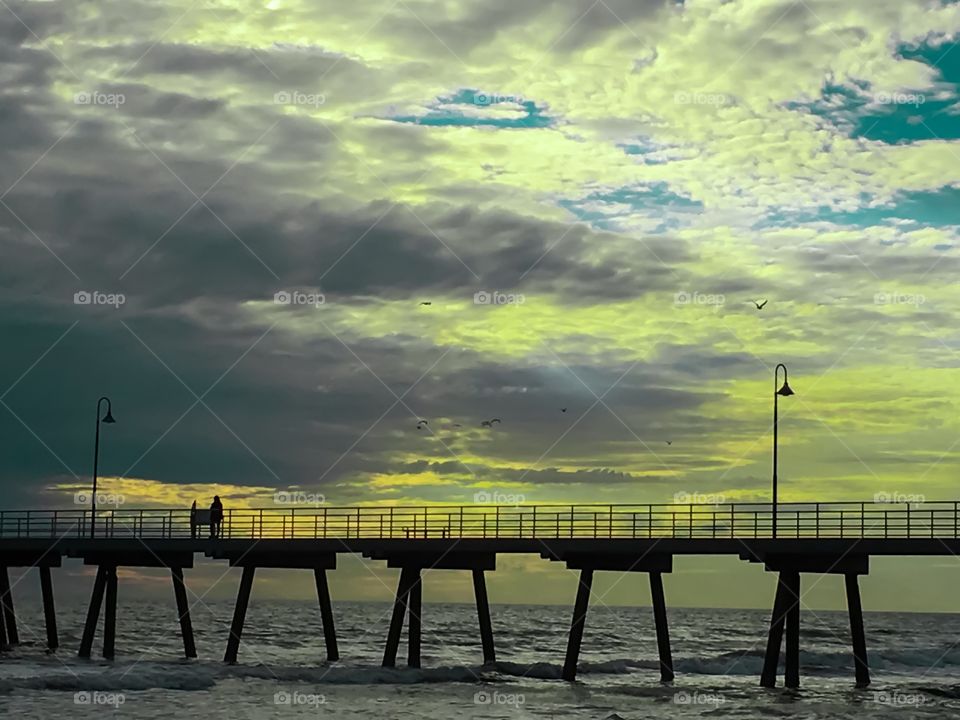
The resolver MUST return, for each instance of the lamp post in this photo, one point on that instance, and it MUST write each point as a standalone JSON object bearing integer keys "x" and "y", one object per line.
{"x": 785, "y": 391}
{"x": 108, "y": 418}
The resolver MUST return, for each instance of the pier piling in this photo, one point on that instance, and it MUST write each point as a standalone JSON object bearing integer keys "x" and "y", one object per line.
{"x": 576, "y": 626}
{"x": 183, "y": 612}
{"x": 663, "y": 632}
{"x": 792, "y": 663}
{"x": 483, "y": 614}
{"x": 6, "y": 600}
{"x": 3, "y": 637}
{"x": 326, "y": 614}
{"x": 768, "y": 677}
{"x": 857, "y": 633}
{"x": 49, "y": 611}
{"x": 110, "y": 613}
{"x": 93, "y": 612}
{"x": 414, "y": 626}
{"x": 407, "y": 577}
{"x": 239, "y": 614}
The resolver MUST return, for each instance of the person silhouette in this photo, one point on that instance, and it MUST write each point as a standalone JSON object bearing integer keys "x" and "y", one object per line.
{"x": 216, "y": 516}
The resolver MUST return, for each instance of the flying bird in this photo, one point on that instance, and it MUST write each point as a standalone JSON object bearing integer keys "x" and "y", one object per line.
{"x": 563, "y": 409}
{"x": 426, "y": 303}
{"x": 669, "y": 442}
{"x": 489, "y": 423}
{"x": 421, "y": 424}
{"x": 457, "y": 425}
{"x": 759, "y": 305}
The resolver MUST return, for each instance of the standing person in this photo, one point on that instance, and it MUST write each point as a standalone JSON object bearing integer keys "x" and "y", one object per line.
{"x": 216, "y": 516}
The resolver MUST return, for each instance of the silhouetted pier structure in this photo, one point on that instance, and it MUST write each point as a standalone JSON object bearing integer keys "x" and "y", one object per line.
{"x": 818, "y": 538}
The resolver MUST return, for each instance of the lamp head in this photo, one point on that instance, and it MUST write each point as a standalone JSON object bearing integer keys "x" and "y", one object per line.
{"x": 786, "y": 389}
{"x": 108, "y": 418}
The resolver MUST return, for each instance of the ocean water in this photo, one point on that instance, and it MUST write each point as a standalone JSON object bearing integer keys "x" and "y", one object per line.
{"x": 282, "y": 673}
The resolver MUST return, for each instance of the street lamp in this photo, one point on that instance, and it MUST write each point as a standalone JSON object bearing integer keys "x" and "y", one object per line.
{"x": 108, "y": 418}
{"x": 785, "y": 391}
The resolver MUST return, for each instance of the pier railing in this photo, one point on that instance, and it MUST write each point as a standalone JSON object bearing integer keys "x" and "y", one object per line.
{"x": 733, "y": 520}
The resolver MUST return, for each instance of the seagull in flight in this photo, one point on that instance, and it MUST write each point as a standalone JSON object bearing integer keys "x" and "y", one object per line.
{"x": 426, "y": 302}
{"x": 422, "y": 424}
{"x": 489, "y": 423}
{"x": 669, "y": 442}
{"x": 563, "y": 409}
{"x": 760, "y": 304}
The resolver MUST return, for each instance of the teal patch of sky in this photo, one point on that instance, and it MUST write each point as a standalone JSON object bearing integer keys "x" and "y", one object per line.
{"x": 922, "y": 208}
{"x": 605, "y": 209}
{"x": 450, "y": 112}
{"x": 650, "y": 152}
{"x": 910, "y": 115}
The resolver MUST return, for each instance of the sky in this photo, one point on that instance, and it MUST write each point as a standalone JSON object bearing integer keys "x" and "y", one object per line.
{"x": 226, "y": 215}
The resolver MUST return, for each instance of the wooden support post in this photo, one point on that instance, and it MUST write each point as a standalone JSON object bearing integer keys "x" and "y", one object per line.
{"x": 49, "y": 612}
{"x": 6, "y": 601}
{"x": 239, "y": 614}
{"x": 576, "y": 627}
{"x": 110, "y": 613}
{"x": 857, "y": 633}
{"x": 414, "y": 608}
{"x": 663, "y": 632}
{"x": 4, "y": 645}
{"x": 407, "y": 576}
{"x": 326, "y": 614}
{"x": 483, "y": 614}
{"x": 93, "y": 612}
{"x": 183, "y": 612}
{"x": 768, "y": 678}
{"x": 792, "y": 673}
